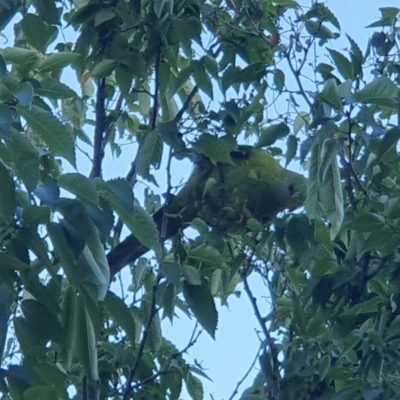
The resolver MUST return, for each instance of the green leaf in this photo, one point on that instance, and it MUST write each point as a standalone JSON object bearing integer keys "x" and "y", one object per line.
{"x": 35, "y": 215}
{"x": 296, "y": 234}
{"x": 92, "y": 260}
{"x": 177, "y": 84}
{"x": 370, "y": 393}
{"x": 313, "y": 204}
{"x": 144, "y": 227}
{"x": 302, "y": 119}
{"x": 6, "y": 120}
{"x": 37, "y": 33}
{"x": 138, "y": 221}
{"x": 172, "y": 272}
{"x": 79, "y": 185}
{"x": 104, "y": 15}
{"x": 201, "y": 303}
{"x": 104, "y": 68}
{"x": 191, "y": 274}
{"x": 57, "y": 61}
{"x": 382, "y": 91}
{"x": 8, "y": 202}
{"x": 121, "y": 315}
{"x": 26, "y": 159}
{"x": 158, "y": 6}
{"x": 53, "y": 89}
{"x": 38, "y": 316}
{"x": 291, "y": 149}
{"x": 150, "y": 153}
{"x": 3, "y": 68}
{"x": 382, "y": 240}
{"x": 357, "y": 58}
{"x": 24, "y": 94}
{"x": 319, "y": 30}
{"x": 62, "y": 247}
{"x": 194, "y": 387}
{"x": 214, "y": 148}
{"x": 169, "y": 301}
{"x": 369, "y": 306}
{"x": 322, "y": 13}
{"x": 12, "y": 264}
{"x": 197, "y": 108}
{"x": 279, "y": 79}
{"x": 330, "y": 95}
{"x": 336, "y": 211}
{"x": 389, "y": 141}
{"x": 207, "y": 255}
{"x": 85, "y": 340}
{"x": 323, "y": 366}
{"x": 343, "y": 65}
{"x": 47, "y": 10}
{"x": 202, "y": 78}
{"x": 154, "y": 339}
{"x": 367, "y": 222}
{"x": 211, "y": 66}
{"x": 271, "y": 134}
{"x": 94, "y": 266}
{"x": 55, "y": 134}
{"x": 19, "y": 56}
{"x": 388, "y": 16}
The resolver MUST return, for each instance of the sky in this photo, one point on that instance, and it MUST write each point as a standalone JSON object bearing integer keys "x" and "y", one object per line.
{"x": 228, "y": 358}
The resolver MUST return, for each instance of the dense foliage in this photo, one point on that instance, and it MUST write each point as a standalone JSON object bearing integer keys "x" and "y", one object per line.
{"x": 155, "y": 82}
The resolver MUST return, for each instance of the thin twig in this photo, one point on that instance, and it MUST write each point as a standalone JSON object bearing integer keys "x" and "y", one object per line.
{"x": 142, "y": 344}
{"x": 164, "y": 369}
{"x": 296, "y": 73}
{"x": 269, "y": 341}
{"x": 236, "y": 390}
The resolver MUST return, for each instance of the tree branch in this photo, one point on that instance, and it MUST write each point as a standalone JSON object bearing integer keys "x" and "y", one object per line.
{"x": 100, "y": 127}
{"x": 275, "y": 390}
{"x": 236, "y": 390}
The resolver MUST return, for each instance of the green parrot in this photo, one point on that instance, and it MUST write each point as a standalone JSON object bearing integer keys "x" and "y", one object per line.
{"x": 225, "y": 196}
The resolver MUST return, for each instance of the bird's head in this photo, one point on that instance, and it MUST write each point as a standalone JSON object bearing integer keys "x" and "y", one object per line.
{"x": 295, "y": 189}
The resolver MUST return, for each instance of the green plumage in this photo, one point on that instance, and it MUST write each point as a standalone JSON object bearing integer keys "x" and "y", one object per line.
{"x": 225, "y": 196}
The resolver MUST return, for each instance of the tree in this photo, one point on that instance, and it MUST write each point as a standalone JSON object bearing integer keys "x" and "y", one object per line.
{"x": 171, "y": 79}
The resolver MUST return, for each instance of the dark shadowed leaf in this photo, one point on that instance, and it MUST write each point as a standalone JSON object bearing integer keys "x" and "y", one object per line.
{"x": 26, "y": 159}
{"x": 201, "y": 303}
{"x": 7, "y": 195}
{"x": 55, "y": 134}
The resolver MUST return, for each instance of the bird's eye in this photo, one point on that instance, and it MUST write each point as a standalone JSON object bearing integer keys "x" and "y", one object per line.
{"x": 291, "y": 188}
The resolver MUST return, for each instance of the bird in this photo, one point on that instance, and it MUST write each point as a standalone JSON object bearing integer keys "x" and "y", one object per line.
{"x": 225, "y": 196}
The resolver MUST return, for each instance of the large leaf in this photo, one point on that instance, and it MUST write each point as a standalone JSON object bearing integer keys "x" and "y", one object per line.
{"x": 55, "y": 134}
{"x": 26, "y": 159}
{"x": 330, "y": 94}
{"x": 201, "y": 303}
{"x": 343, "y": 65}
{"x": 150, "y": 154}
{"x": 118, "y": 195}
{"x": 85, "y": 340}
{"x": 54, "y": 89}
{"x": 7, "y": 195}
{"x": 382, "y": 91}
{"x": 56, "y": 61}
{"x": 121, "y": 314}
{"x": 271, "y": 134}
{"x": 37, "y": 32}
{"x": 214, "y": 148}
{"x": 81, "y": 186}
